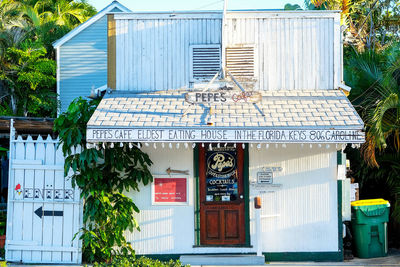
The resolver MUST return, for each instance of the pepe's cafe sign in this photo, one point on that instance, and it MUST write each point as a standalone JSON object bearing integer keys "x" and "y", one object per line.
{"x": 223, "y": 135}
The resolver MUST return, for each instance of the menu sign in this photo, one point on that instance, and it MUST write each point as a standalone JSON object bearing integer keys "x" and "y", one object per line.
{"x": 221, "y": 174}
{"x": 167, "y": 190}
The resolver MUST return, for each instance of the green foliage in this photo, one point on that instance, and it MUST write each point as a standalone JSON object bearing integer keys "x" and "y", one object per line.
{"x": 29, "y": 78}
{"x": 27, "y": 67}
{"x": 292, "y": 7}
{"x": 103, "y": 175}
{"x": 138, "y": 262}
{"x": 3, "y": 222}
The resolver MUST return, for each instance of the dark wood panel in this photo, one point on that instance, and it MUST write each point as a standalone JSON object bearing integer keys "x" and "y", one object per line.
{"x": 213, "y": 228}
{"x": 231, "y": 220}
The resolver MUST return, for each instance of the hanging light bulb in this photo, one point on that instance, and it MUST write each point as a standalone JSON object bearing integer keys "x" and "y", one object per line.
{"x": 210, "y": 147}
{"x": 177, "y": 145}
{"x": 154, "y": 145}
{"x": 193, "y": 145}
{"x": 130, "y": 145}
{"x": 284, "y": 145}
{"x": 225, "y": 144}
{"x": 138, "y": 145}
{"x": 319, "y": 145}
{"x": 170, "y": 146}
{"x": 112, "y": 145}
{"x": 310, "y": 145}
{"x": 202, "y": 144}
{"x": 162, "y": 145}
{"x": 104, "y": 145}
{"x": 234, "y": 145}
{"x": 218, "y": 145}
{"x": 146, "y": 144}
{"x": 258, "y": 146}
{"x": 243, "y": 145}
{"x": 302, "y": 145}
{"x": 251, "y": 145}
{"x": 186, "y": 145}
{"x": 266, "y": 146}
{"x": 276, "y": 145}
{"x": 328, "y": 146}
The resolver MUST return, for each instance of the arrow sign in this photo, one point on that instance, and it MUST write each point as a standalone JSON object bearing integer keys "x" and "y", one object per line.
{"x": 40, "y": 213}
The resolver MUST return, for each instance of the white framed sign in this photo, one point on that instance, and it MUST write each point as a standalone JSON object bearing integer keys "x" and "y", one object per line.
{"x": 223, "y": 135}
{"x": 170, "y": 190}
{"x": 265, "y": 177}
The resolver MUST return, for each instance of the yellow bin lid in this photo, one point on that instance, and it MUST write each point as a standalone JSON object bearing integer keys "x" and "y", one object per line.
{"x": 369, "y": 202}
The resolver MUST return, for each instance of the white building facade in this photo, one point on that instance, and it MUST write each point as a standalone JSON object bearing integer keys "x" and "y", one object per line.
{"x": 229, "y": 107}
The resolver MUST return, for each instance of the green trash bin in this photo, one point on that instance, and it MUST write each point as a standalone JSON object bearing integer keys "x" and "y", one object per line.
{"x": 369, "y": 222}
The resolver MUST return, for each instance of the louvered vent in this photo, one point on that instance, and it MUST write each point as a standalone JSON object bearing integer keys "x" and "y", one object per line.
{"x": 240, "y": 61}
{"x": 206, "y": 61}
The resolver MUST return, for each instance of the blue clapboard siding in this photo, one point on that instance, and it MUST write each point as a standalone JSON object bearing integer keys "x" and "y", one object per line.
{"x": 83, "y": 62}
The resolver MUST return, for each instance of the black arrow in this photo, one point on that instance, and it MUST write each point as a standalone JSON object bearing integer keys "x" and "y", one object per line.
{"x": 40, "y": 212}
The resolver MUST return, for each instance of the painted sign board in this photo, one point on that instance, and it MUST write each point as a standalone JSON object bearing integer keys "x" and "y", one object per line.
{"x": 169, "y": 190}
{"x": 223, "y": 135}
{"x": 265, "y": 177}
{"x": 223, "y": 97}
{"x": 221, "y": 174}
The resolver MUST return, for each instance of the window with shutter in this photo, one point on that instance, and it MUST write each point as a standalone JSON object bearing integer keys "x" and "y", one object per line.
{"x": 240, "y": 61}
{"x": 205, "y": 62}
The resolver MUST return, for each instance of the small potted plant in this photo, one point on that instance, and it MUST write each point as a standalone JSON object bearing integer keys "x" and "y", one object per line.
{"x": 3, "y": 219}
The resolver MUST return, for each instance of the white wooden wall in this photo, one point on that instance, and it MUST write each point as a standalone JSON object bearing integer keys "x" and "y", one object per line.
{"x": 153, "y": 51}
{"x": 299, "y": 216}
{"x": 292, "y": 50}
{"x": 36, "y": 181}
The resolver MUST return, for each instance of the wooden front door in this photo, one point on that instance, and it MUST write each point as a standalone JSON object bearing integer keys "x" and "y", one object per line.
{"x": 222, "y": 216}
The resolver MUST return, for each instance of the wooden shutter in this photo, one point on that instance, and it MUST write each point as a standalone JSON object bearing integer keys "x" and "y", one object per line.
{"x": 205, "y": 62}
{"x": 240, "y": 61}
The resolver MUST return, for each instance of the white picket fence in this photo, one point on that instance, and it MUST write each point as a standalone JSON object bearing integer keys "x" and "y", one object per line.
{"x": 44, "y": 211}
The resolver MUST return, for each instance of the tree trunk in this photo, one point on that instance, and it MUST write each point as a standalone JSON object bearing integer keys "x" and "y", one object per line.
{"x": 13, "y": 102}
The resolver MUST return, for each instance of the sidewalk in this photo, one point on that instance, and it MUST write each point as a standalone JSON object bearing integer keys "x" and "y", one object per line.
{"x": 393, "y": 259}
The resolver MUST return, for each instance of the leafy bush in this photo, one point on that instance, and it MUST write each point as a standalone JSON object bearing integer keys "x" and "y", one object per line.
{"x": 103, "y": 175}
{"x": 139, "y": 262}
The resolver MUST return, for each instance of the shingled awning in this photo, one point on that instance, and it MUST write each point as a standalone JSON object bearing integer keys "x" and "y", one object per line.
{"x": 322, "y": 116}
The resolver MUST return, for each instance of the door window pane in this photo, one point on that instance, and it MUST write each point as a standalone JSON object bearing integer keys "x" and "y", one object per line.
{"x": 221, "y": 174}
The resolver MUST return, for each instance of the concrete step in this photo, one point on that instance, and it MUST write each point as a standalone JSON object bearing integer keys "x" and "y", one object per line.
{"x": 228, "y": 259}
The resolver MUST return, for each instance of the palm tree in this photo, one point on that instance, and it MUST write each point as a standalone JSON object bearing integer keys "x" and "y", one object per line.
{"x": 374, "y": 76}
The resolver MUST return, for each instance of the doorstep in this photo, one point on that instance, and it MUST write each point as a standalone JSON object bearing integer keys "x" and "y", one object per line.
{"x": 227, "y": 259}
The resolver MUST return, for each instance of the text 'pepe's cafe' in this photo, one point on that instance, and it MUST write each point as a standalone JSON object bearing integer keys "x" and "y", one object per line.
{"x": 239, "y": 168}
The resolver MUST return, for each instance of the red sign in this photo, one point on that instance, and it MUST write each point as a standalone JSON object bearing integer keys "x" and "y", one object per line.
{"x": 170, "y": 190}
